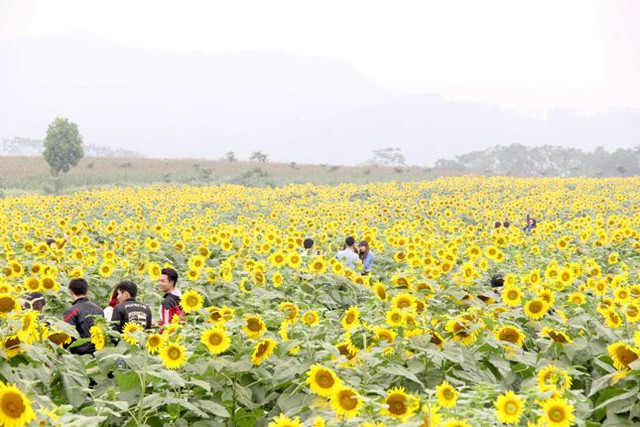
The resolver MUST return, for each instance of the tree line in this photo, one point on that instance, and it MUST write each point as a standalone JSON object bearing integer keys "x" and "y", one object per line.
{"x": 547, "y": 160}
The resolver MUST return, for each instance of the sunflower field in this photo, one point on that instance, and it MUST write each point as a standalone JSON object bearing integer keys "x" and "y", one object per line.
{"x": 275, "y": 338}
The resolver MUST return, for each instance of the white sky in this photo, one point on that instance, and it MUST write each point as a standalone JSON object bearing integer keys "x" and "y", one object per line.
{"x": 529, "y": 55}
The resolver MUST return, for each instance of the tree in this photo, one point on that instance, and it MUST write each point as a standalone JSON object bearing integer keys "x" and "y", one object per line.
{"x": 230, "y": 156}
{"x": 62, "y": 147}
{"x": 259, "y": 156}
{"x": 388, "y": 157}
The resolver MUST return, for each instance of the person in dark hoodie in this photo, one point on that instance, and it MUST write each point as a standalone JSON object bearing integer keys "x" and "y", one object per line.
{"x": 128, "y": 309}
{"x": 81, "y": 314}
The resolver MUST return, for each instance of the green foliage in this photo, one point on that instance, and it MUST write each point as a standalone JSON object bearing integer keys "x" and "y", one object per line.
{"x": 62, "y": 146}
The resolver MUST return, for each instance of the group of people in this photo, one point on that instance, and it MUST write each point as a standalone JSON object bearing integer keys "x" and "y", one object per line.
{"x": 122, "y": 309}
{"x": 350, "y": 255}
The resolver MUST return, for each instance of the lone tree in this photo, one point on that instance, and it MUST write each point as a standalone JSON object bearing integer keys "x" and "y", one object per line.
{"x": 62, "y": 147}
{"x": 259, "y": 156}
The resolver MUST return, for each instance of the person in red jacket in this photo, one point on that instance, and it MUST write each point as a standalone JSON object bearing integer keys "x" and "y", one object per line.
{"x": 170, "y": 306}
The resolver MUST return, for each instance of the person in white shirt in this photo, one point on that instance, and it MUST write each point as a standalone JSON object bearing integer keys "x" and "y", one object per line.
{"x": 349, "y": 255}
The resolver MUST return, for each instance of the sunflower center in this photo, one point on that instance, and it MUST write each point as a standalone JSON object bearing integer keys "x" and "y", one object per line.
{"x": 254, "y": 325}
{"x": 324, "y": 379}
{"x": 350, "y": 318}
{"x": 447, "y": 394}
{"x": 511, "y": 408}
{"x": 174, "y": 353}
{"x": 512, "y": 295}
{"x": 12, "y": 405}
{"x": 215, "y": 339}
{"x": 556, "y": 414}
{"x": 348, "y": 400}
{"x": 397, "y": 405}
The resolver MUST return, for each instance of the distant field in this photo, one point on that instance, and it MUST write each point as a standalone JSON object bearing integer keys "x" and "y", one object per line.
{"x": 32, "y": 174}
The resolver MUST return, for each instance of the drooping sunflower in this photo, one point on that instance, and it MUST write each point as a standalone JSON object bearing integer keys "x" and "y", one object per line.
{"x": 15, "y": 407}
{"x": 557, "y": 413}
{"x": 283, "y": 421}
{"x": 59, "y": 337}
{"x": 510, "y": 334}
{"x": 97, "y": 337}
{"x": 216, "y": 340}
{"x": 612, "y": 318}
{"x": 351, "y": 318}
{"x": 399, "y": 404}
{"x": 345, "y": 402}
{"x": 191, "y": 301}
{"x": 622, "y": 355}
{"x": 509, "y": 408}
{"x": 154, "y": 343}
{"x": 323, "y": 381}
{"x": 263, "y": 350}
{"x": 446, "y": 395}
{"x": 557, "y": 336}
{"x": 173, "y": 355}
{"x": 254, "y": 326}
{"x": 129, "y": 330}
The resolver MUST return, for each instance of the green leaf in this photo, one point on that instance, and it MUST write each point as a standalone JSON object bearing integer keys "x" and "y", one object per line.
{"x": 213, "y": 408}
{"x": 398, "y": 371}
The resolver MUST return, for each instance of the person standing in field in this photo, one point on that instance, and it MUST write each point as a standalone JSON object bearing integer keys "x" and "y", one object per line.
{"x": 81, "y": 314}
{"x": 366, "y": 257}
{"x": 348, "y": 255}
{"x": 170, "y": 306}
{"x": 128, "y": 309}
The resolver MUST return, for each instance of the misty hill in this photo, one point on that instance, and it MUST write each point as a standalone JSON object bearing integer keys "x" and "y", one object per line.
{"x": 302, "y": 109}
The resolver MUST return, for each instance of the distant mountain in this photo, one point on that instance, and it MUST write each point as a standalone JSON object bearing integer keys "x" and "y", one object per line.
{"x": 303, "y": 109}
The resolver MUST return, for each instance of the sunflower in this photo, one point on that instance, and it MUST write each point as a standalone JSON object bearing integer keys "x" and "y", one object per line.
{"x": 345, "y": 402}
{"x": 311, "y": 318}
{"x": 323, "y": 381}
{"x": 399, "y": 404}
{"x": 343, "y": 349}
{"x": 552, "y": 378}
{"x": 15, "y": 407}
{"x": 105, "y": 269}
{"x": 557, "y": 336}
{"x": 29, "y": 330}
{"x": 511, "y": 296}
{"x": 557, "y": 413}
{"x": 152, "y": 244}
{"x": 535, "y": 308}
{"x": 384, "y": 334}
{"x": 318, "y": 266}
{"x": 508, "y": 408}
{"x": 632, "y": 313}
{"x": 430, "y": 416}
{"x": 7, "y": 304}
{"x": 154, "y": 343}
{"x": 446, "y": 395}
{"x": 263, "y": 350}
{"x": 278, "y": 259}
{"x": 461, "y": 331}
{"x": 380, "y": 292}
{"x": 622, "y": 295}
{"x": 49, "y": 284}
{"x": 622, "y": 354}
{"x": 97, "y": 337}
{"x": 612, "y": 318}
{"x": 351, "y": 318}
{"x": 254, "y": 326}
{"x": 294, "y": 260}
{"x": 32, "y": 284}
{"x": 510, "y": 334}
{"x": 403, "y": 301}
{"x": 191, "y": 301}
{"x": 395, "y": 317}
{"x": 277, "y": 279}
{"x": 216, "y": 340}
{"x": 129, "y": 330}
{"x": 290, "y": 311}
{"x": 173, "y": 355}
{"x": 59, "y": 338}
{"x": 283, "y": 421}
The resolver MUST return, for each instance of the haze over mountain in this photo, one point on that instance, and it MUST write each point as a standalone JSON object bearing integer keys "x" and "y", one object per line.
{"x": 303, "y": 109}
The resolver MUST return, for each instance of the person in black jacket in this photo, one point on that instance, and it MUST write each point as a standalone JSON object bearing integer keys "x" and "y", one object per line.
{"x": 128, "y": 309}
{"x": 81, "y": 314}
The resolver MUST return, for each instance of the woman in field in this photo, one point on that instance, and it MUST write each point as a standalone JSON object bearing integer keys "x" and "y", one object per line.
{"x": 366, "y": 257}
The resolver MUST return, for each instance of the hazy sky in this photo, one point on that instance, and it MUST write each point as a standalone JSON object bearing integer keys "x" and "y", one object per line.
{"x": 529, "y": 55}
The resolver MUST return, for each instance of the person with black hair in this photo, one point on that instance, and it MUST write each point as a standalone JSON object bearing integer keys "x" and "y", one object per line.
{"x": 348, "y": 255}
{"x": 170, "y": 306}
{"x": 128, "y": 309}
{"x": 81, "y": 313}
{"x": 308, "y": 248}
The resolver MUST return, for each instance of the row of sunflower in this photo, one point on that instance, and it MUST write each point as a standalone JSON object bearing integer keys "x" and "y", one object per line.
{"x": 276, "y": 338}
